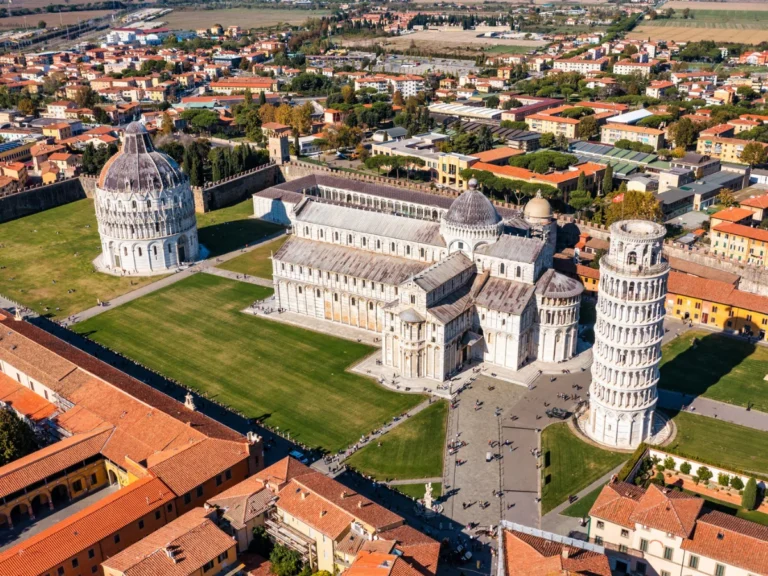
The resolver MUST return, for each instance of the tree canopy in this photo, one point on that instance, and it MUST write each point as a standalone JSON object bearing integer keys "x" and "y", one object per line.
{"x": 17, "y": 439}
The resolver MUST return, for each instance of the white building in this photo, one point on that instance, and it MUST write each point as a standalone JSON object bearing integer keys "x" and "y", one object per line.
{"x": 628, "y": 334}
{"x": 145, "y": 209}
{"x": 580, "y": 65}
{"x": 665, "y": 532}
{"x": 444, "y": 280}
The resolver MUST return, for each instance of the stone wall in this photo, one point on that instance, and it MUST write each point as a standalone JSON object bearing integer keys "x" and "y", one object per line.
{"x": 40, "y": 198}
{"x": 235, "y": 189}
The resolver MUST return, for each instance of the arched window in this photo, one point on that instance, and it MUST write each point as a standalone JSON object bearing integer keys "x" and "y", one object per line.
{"x": 502, "y": 268}
{"x": 336, "y": 236}
{"x": 378, "y": 244}
{"x": 133, "y": 204}
{"x": 306, "y": 230}
{"x": 154, "y": 250}
{"x": 139, "y": 251}
{"x": 408, "y": 250}
{"x": 321, "y": 233}
{"x": 300, "y": 290}
{"x": 518, "y": 272}
{"x": 632, "y": 258}
{"x": 352, "y": 301}
{"x": 317, "y": 293}
{"x": 365, "y": 241}
{"x": 349, "y": 238}
{"x": 149, "y": 203}
{"x": 335, "y": 297}
{"x": 421, "y": 252}
{"x": 370, "y": 305}
{"x": 125, "y": 251}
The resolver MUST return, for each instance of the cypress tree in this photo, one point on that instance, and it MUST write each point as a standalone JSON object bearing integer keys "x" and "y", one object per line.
{"x": 749, "y": 496}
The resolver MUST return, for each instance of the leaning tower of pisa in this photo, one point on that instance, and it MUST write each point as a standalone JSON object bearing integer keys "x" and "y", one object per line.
{"x": 628, "y": 334}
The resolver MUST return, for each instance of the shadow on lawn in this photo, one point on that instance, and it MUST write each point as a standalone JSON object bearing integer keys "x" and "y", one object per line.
{"x": 228, "y": 236}
{"x": 695, "y": 370}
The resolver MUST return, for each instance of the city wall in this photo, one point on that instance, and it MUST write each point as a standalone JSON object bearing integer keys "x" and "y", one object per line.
{"x": 40, "y": 198}
{"x": 235, "y": 188}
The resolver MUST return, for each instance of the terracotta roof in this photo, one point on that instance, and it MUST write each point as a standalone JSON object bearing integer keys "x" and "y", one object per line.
{"x": 179, "y": 548}
{"x": 756, "y": 202}
{"x": 742, "y": 230}
{"x": 616, "y": 503}
{"x": 281, "y": 472}
{"x": 732, "y": 214}
{"x": 528, "y": 555}
{"x": 50, "y": 460}
{"x": 313, "y": 510}
{"x": 630, "y": 128}
{"x": 497, "y": 154}
{"x": 45, "y": 550}
{"x": 667, "y": 510}
{"x": 731, "y": 540}
{"x": 23, "y": 400}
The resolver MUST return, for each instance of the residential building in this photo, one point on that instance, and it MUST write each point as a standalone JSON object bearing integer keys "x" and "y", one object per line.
{"x": 256, "y": 85}
{"x": 629, "y": 67}
{"x": 659, "y": 88}
{"x": 544, "y": 123}
{"x": 423, "y": 146}
{"x": 739, "y": 242}
{"x": 757, "y": 205}
{"x": 190, "y": 545}
{"x": 612, "y": 133}
{"x": 580, "y": 65}
{"x": 726, "y": 149}
{"x": 662, "y": 531}
{"x": 731, "y": 215}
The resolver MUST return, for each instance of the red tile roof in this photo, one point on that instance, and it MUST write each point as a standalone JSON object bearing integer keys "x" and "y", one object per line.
{"x": 732, "y": 214}
{"x": 48, "y": 549}
{"x": 616, "y": 503}
{"x": 23, "y": 400}
{"x": 193, "y": 539}
{"x": 667, "y": 510}
{"x": 742, "y": 230}
{"x": 756, "y": 202}
{"x": 528, "y": 555}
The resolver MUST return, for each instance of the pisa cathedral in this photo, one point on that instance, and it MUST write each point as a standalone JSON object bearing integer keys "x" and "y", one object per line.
{"x": 145, "y": 209}
{"x": 442, "y": 280}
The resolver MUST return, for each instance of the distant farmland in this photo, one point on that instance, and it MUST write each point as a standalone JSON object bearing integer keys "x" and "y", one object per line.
{"x": 52, "y": 19}
{"x": 244, "y": 17}
{"x": 693, "y": 34}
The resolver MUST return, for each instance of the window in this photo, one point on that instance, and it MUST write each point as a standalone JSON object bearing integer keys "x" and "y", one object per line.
{"x": 719, "y": 570}
{"x": 91, "y": 553}
{"x": 139, "y": 251}
{"x": 218, "y": 480}
{"x": 94, "y": 569}
{"x": 643, "y": 544}
{"x": 714, "y": 308}
{"x": 625, "y": 533}
{"x": 600, "y": 524}
{"x": 157, "y": 514}
{"x": 317, "y": 293}
{"x": 75, "y": 563}
{"x": 413, "y": 299}
{"x": 77, "y": 485}
{"x": 228, "y": 475}
{"x": 641, "y": 567}
{"x": 141, "y": 524}
{"x": 117, "y": 538}
{"x": 693, "y": 561}
{"x": 679, "y": 301}
{"x": 599, "y": 540}
{"x": 408, "y": 250}
{"x": 187, "y": 498}
{"x": 200, "y": 491}
{"x": 668, "y": 553}
{"x": 208, "y": 566}
{"x": 60, "y": 571}
{"x": 335, "y": 297}
{"x": 169, "y": 507}
{"x": 623, "y": 548}
{"x": 502, "y": 268}
{"x": 665, "y": 573}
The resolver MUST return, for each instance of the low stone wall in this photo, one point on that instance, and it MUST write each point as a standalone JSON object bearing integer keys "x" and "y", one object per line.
{"x": 235, "y": 188}
{"x": 40, "y": 198}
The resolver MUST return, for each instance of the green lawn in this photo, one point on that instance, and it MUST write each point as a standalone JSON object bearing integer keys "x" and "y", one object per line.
{"x": 256, "y": 262}
{"x": 714, "y": 441}
{"x": 570, "y": 465}
{"x": 507, "y": 49}
{"x": 230, "y": 228}
{"x": 294, "y": 379}
{"x": 583, "y": 505}
{"x": 58, "y": 244}
{"x": 417, "y": 490}
{"x": 412, "y": 450}
{"x": 720, "y": 368}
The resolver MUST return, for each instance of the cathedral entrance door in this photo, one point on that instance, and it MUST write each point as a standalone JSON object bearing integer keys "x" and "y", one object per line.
{"x": 464, "y": 354}
{"x": 117, "y": 261}
{"x": 182, "y": 255}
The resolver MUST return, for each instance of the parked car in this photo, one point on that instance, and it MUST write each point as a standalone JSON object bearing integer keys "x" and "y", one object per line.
{"x": 557, "y": 413}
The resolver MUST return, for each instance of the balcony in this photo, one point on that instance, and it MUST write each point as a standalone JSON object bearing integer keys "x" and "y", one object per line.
{"x": 293, "y": 539}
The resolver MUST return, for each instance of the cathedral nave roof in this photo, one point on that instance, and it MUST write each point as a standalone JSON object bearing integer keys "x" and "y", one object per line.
{"x": 370, "y": 266}
{"x": 443, "y": 271}
{"x": 371, "y": 222}
{"x": 514, "y": 248}
{"x": 505, "y": 295}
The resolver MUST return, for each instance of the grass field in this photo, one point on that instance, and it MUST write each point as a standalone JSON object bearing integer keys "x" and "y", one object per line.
{"x": 507, "y": 49}
{"x": 58, "y": 244}
{"x": 445, "y": 42}
{"x": 731, "y": 446}
{"x": 61, "y": 243}
{"x": 228, "y": 229}
{"x": 417, "y": 490}
{"x": 52, "y": 19}
{"x": 735, "y": 19}
{"x": 287, "y": 377}
{"x": 570, "y": 465}
{"x": 256, "y": 262}
{"x": 412, "y": 450}
{"x": 720, "y": 368}
{"x": 244, "y": 17}
{"x": 710, "y": 5}
{"x": 582, "y": 506}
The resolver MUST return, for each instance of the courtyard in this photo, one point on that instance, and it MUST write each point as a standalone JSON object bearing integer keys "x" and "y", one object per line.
{"x": 721, "y": 368}
{"x": 257, "y": 262}
{"x": 289, "y": 378}
{"x": 413, "y": 450}
{"x": 231, "y": 228}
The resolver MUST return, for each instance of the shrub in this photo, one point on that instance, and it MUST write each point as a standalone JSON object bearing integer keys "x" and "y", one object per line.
{"x": 660, "y": 467}
{"x": 685, "y": 468}
{"x": 723, "y": 479}
{"x": 749, "y": 497}
{"x": 669, "y": 463}
{"x": 630, "y": 464}
{"x": 659, "y": 478}
{"x": 737, "y": 483}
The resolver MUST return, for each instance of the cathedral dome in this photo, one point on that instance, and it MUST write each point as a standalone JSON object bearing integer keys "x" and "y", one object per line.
{"x": 138, "y": 167}
{"x": 472, "y": 208}
{"x": 538, "y": 207}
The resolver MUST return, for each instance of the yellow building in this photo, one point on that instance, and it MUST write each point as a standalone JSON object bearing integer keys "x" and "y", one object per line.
{"x": 449, "y": 169}
{"x": 742, "y": 243}
{"x": 190, "y": 545}
{"x": 543, "y": 123}
{"x": 726, "y": 149}
{"x": 612, "y": 133}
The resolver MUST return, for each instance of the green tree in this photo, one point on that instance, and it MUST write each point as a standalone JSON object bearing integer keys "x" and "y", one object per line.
{"x": 723, "y": 479}
{"x": 737, "y": 483}
{"x": 669, "y": 463}
{"x": 683, "y": 132}
{"x": 561, "y": 142}
{"x": 754, "y": 153}
{"x": 16, "y": 437}
{"x": 100, "y": 116}
{"x": 587, "y": 127}
{"x": 595, "y": 263}
{"x": 608, "y": 180}
{"x": 685, "y": 468}
{"x": 26, "y": 107}
{"x": 581, "y": 182}
{"x": 704, "y": 474}
{"x": 167, "y": 124}
{"x": 547, "y": 140}
{"x": 492, "y": 102}
{"x": 42, "y": 24}
{"x": 634, "y": 205}
{"x": 726, "y": 198}
{"x": 749, "y": 496}
{"x": 285, "y": 562}
{"x": 579, "y": 199}
{"x": 261, "y": 544}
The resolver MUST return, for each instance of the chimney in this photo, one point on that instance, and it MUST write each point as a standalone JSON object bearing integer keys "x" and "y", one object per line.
{"x": 323, "y": 513}
{"x": 304, "y": 495}
{"x": 359, "y": 503}
{"x": 566, "y": 552}
{"x": 343, "y": 494}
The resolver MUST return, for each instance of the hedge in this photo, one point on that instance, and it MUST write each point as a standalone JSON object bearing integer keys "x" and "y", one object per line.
{"x": 629, "y": 465}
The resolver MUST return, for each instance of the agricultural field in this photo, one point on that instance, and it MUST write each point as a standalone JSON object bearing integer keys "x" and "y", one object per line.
{"x": 195, "y": 333}
{"x": 52, "y": 19}
{"x": 244, "y": 17}
{"x": 703, "y": 5}
{"x": 730, "y": 19}
{"x": 691, "y": 34}
{"x": 456, "y": 41}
